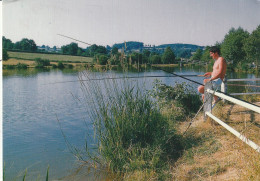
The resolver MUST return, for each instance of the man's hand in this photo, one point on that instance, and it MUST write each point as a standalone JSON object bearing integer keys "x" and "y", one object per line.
{"x": 206, "y": 80}
{"x": 208, "y": 74}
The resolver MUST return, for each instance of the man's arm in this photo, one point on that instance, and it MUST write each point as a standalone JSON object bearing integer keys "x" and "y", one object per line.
{"x": 208, "y": 74}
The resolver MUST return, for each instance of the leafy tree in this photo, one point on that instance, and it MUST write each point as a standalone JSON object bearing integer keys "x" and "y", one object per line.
{"x": 7, "y": 43}
{"x": 155, "y": 59}
{"x": 252, "y": 47}
{"x": 28, "y": 45}
{"x": 101, "y": 50}
{"x": 80, "y": 51}
{"x": 101, "y": 59}
{"x": 114, "y": 50}
{"x": 168, "y": 56}
{"x": 137, "y": 58}
{"x": 184, "y": 53}
{"x": 87, "y": 52}
{"x": 232, "y": 46}
{"x": 95, "y": 49}
{"x": 73, "y": 48}
{"x": 205, "y": 56}
{"x": 17, "y": 46}
{"x": 146, "y": 53}
{"x": 65, "y": 49}
{"x": 5, "y": 55}
{"x": 197, "y": 55}
{"x": 92, "y": 49}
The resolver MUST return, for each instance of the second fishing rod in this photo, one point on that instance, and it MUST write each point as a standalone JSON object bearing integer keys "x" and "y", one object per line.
{"x": 181, "y": 76}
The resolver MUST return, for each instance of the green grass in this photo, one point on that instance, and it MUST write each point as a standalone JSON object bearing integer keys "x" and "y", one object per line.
{"x": 132, "y": 134}
{"x": 51, "y": 57}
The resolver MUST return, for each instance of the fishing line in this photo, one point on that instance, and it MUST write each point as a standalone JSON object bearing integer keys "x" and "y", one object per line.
{"x": 113, "y": 78}
{"x": 201, "y": 108}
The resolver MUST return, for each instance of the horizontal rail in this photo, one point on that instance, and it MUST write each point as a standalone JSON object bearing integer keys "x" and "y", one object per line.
{"x": 236, "y": 101}
{"x": 245, "y": 85}
{"x": 237, "y": 80}
{"x": 247, "y": 93}
{"x": 236, "y": 133}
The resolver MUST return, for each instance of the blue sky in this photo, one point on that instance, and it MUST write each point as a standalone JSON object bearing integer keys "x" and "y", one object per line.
{"x": 105, "y": 22}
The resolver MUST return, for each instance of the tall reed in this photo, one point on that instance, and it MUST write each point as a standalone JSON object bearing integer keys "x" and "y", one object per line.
{"x": 130, "y": 131}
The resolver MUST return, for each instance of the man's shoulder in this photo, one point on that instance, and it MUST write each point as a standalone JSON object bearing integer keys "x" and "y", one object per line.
{"x": 221, "y": 59}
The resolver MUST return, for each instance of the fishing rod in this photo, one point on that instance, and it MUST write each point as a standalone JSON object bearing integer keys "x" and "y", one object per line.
{"x": 114, "y": 78}
{"x": 181, "y": 76}
{"x": 176, "y": 75}
{"x": 74, "y": 39}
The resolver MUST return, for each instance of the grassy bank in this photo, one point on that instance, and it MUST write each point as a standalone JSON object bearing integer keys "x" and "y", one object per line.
{"x": 139, "y": 139}
{"x": 51, "y": 57}
{"x": 22, "y": 60}
{"x": 136, "y": 137}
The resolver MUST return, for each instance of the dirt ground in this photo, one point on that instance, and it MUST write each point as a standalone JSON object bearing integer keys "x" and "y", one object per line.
{"x": 217, "y": 154}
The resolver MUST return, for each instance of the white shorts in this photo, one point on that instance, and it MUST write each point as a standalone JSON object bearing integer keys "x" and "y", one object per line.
{"x": 217, "y": 83}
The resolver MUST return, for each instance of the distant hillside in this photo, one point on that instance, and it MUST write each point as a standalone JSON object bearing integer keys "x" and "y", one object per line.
{"x": 181, "y": 46}
{"x": 131, "y": 45}
{"x": 180, "y": 50}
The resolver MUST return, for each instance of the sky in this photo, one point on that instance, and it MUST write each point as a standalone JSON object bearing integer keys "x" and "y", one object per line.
{"x": 106, "y": 22}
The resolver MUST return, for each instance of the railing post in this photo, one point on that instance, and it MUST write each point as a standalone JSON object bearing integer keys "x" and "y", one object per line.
{"x": 224, "y": 87}
{"x": 207, "y": 99}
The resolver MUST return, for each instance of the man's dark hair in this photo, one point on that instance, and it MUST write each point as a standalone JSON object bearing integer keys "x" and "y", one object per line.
{"x": 215, "y": 49}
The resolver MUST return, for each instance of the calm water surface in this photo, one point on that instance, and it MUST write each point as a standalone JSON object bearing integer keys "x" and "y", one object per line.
{"x": 33, "y": 102}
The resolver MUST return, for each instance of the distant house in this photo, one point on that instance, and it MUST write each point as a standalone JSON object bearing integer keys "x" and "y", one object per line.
{"x": 44, "y": 48}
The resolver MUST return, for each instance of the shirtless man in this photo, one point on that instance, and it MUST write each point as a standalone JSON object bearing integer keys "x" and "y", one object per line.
{"x": 219, "y": 71}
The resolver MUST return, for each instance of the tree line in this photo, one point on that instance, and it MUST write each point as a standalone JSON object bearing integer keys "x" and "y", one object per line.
{"x": 116, "y": 57}
{"x": 239, "y": 47}
{"x": 24, "y": 45}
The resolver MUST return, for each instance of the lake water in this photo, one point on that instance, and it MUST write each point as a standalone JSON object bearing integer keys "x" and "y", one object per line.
{"x": 34, "y": 101}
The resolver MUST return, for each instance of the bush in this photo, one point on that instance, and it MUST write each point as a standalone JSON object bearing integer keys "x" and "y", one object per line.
{"x": 40, "y": 63}
{"x": 9, "y": 66}
{"x": 102, "y": 59}
{"x": 132, "y": 133}
{"x": 61, "y": 65}
{"x": 181, "y": 97}
{"x": 21, "y": 66}
{"x": 242, "y": 66}
{"x": 70, "y": 66}
{"x": 5, "y": 55}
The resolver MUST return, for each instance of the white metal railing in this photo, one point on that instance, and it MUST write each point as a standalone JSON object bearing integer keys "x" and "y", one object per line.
{"x": 236, "y": 133}
{"x": 208, "y": 108}
{"x": 236, "y": 101}
{"x": 224, "y": 85}
{"x": 238, "y": 80}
